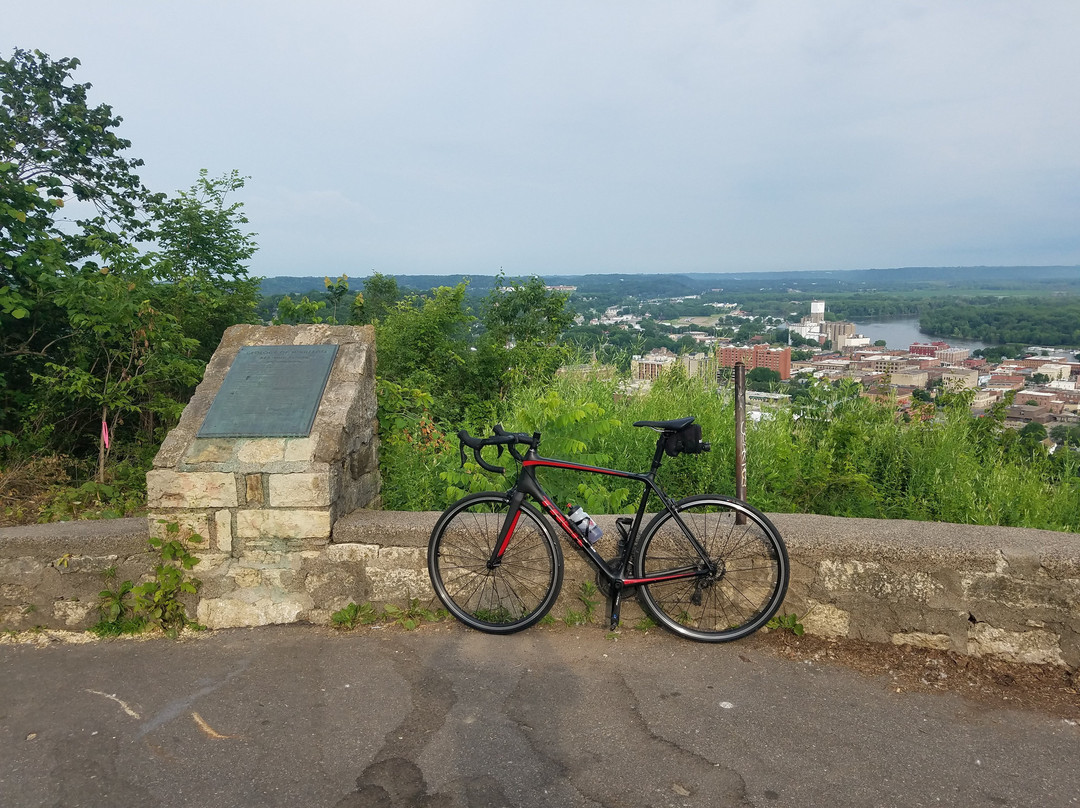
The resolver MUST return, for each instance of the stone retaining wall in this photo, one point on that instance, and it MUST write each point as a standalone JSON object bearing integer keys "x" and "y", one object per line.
{"x": 1007, "y": 592}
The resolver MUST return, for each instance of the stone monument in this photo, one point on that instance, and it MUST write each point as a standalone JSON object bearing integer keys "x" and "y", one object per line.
{"x": 279, "y": 441}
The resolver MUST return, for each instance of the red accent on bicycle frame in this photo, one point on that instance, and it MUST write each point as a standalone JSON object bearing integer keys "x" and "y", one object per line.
{"x": 509, "y": 533}
{"x": 564, "y": 523}
{"x": 558, "y": 464}
{"x": 636, "y": 581}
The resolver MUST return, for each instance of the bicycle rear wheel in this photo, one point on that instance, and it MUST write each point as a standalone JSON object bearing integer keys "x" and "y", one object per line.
{"x": 509, "y": 597}
{"x": 749, "y": 577}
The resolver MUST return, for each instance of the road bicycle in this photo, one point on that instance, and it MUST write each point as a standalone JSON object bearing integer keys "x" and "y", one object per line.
{"x": 708, "y": 567}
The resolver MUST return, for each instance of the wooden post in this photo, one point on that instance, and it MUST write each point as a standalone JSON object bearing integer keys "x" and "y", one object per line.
{"x": 740, "y": 435}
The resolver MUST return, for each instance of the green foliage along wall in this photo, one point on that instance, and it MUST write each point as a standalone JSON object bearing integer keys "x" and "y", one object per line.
{"x": 841, "y": 454}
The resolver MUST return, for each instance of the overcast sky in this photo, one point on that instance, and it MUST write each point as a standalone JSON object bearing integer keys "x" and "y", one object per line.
{"x": 569, "y": 137}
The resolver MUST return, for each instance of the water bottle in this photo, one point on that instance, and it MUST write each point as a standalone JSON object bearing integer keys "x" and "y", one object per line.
{"x": 586, "y": 527}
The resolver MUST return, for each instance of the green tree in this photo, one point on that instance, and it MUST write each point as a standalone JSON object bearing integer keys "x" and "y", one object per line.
{"x": 126, "y": 358}
{"x": 423, "y": 344}
{"x": 1033, "y": 431}
{"x": 761, "y": 379}
{"x": 378, "y": 298}
{"x": 522, "y": 322}
{"x": 1063, "y": 434}
{"x": 201, "y": 264}
{"x": 335, "y": 293}
{"x": 54, "y": 149}
{"x": 303, "y": 311}
{"x": 94, "y": 329}
{"x": 525, "y": 313}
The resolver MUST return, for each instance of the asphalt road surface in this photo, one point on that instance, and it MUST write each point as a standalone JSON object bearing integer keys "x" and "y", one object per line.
{"x": 443, "y": 716}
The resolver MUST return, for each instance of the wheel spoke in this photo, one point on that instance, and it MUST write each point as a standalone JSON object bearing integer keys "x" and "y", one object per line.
{"x": 513, "y": 594}
{"x": 750, "y": 570}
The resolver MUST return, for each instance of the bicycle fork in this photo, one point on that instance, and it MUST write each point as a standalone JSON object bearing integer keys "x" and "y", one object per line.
{"x": 506, "y": 532}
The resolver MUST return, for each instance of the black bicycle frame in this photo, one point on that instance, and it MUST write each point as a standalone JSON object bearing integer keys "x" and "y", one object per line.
{"x": 527, "y": 485}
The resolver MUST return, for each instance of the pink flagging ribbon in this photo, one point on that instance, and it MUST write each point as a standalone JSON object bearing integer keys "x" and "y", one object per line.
{"x": 105, "y": 434}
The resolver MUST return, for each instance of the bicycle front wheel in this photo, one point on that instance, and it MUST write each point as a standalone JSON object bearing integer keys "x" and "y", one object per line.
{"x": 737, "y": 591}
{"x": 506, "y": 598}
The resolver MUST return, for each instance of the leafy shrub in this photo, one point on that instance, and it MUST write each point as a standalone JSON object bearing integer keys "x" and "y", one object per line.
{"x": 839, "y": 453}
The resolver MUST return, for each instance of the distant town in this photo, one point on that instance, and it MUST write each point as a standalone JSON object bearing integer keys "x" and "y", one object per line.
{"x": 1044, "y": 382}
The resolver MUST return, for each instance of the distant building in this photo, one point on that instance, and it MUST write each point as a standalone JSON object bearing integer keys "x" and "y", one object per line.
{"x": 759, "y": 356}
{"x": 1055, "y": 371}
{"x": 840, "y": 333}
{"x": 952, "y": 356}
{"x": 927, "y": 348}
{"x": 910, "y": 378}
{"x": 651, "y": 365}
{"x": 962, "y": 378}
{"x": 699, "y": 365}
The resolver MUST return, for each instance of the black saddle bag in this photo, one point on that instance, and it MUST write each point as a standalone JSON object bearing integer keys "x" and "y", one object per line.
{"x": 686, "y": 441}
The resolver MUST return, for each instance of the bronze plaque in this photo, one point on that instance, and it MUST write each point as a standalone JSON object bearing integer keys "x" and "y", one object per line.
{"x": 270, "y": 391}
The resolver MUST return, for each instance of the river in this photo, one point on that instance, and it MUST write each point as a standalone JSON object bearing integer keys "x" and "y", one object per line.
{"x": 899, "y": 333}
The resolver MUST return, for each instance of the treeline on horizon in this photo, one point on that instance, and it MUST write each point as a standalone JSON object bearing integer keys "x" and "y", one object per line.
{"x": 1033, "y": 305}
{"x": 1053, "y": 321}
{"x": 652, "y": 285}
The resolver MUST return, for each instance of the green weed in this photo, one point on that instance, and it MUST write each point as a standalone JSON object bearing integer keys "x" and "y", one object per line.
{"x": 354, "y": 615}
{"x": 410, "y": 617}
{"x": 786, "y": 622}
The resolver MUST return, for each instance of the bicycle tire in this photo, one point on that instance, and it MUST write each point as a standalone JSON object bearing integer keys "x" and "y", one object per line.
{"x": 512, "y": 596}
{"x": 752, "y": 569}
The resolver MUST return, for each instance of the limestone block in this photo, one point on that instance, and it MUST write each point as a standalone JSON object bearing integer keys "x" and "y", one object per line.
{"x": 14, "y": 592}
{"x": 299, "y": 490}
{"x": 267, "y": 559}
{"x": 72, "y": 612}
{"x": 1034, "y": 646}
{"x": 261, "y": 451}
{"x": 211, "y": 564}
{"x": 340, "y": 553}
{"x": 399, "y": 585}
{"x": 246, "y": 577}
{"x": 190, "y": 523}
{"x": 878, "y": 580}
{"x": 1035, "y": 592}
{"x": 13, "y": 569}
{"x": 234, "y": 613}
{"x": 210, "y": 450}
{"x": 166, "y": 488}
{"x": 352, "y": 362}
{"x": 223, "y": 530}
{"x": 826, "y": 620}
{"x": 283, "y": 523}
{"x": 299, "y": 450}
{"x": 920, "y": 639}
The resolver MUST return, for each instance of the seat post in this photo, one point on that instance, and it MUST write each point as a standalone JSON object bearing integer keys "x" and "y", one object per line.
{"x": 658, "y": 455}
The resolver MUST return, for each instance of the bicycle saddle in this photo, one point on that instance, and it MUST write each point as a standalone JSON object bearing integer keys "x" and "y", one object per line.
{"x": 667, "y": 426}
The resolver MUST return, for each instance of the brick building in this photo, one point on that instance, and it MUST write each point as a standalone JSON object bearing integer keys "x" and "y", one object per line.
{"x": 927, "y": 348}
{"x": 759, "y": 356}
